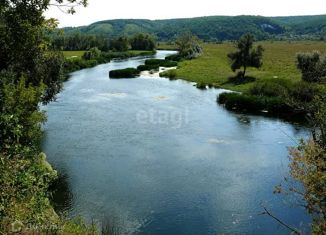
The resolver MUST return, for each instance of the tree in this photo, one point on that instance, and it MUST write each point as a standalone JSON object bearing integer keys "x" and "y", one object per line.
{"x": 312, "y": 66}
{"x": 307, "y": 175}
{"x": 188, "y": 45}
{"x": 24, "y": 45}
{"x": 246, "y": 56}
{"x": 142, "y": 42}
{"x": 92, "y": 54}
{"x": 119, "y": 44}
{"x": 308, "y": 170}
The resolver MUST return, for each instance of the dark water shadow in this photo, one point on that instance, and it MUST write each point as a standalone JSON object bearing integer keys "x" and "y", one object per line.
{"x": 61, "y": 197}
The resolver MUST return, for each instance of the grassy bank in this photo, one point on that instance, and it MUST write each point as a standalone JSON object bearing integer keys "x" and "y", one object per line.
{"x": 213, "y": 66}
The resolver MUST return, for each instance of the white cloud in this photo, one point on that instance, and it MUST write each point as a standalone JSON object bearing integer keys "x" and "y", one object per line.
{"x": 151, "y": 9}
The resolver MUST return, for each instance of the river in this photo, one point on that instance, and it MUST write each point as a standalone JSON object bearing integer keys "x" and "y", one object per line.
{"x": 154, "y": 156}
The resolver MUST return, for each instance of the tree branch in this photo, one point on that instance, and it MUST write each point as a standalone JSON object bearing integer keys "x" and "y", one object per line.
{"x": 294, "y": 230}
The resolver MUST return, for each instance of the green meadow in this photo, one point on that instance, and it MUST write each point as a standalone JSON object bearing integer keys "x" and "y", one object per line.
{"x": 73, "y": 54}
{"x": 213, "y": 67}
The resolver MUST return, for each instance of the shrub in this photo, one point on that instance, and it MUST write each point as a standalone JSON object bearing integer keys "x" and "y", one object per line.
{"x": 91, "y": 54}
{"x": 124, "y": 73}
{"x": 175, "y": 57}
{"x": 241, "y": 102}
{"x": 312, "y": 66}
{"x": 161, "y": 63}
{"x": 147, "y": 67}
{"x": 270, "y": 88}
{"x": 171, "y": 74}
{"x": 201, "y": 85}
{"x": 303, "y": 91}
{"x": 77, "y": 64}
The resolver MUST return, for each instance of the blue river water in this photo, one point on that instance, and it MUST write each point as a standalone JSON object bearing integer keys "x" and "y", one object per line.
{"x": 155, "y": 156}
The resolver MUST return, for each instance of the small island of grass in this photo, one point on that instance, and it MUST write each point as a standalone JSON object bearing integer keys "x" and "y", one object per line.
{"x": 124, "y": 73}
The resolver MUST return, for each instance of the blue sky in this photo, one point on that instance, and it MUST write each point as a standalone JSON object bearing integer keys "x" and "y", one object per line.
{"x": 152, "y": 9}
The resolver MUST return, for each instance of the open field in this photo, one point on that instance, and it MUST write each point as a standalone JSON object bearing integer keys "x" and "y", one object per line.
{"x": 73, "y": 54}
{"x": 213, "y": 66}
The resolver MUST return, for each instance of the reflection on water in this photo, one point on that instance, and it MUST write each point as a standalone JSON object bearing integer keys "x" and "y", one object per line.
{"x": 161, "y": 157}
{"x": 61, "y": 196}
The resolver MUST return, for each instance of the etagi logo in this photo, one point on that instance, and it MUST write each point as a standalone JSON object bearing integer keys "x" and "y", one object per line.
{"x": 174, "y": 119}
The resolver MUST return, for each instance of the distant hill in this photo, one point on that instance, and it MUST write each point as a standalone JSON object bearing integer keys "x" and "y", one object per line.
{"x": 212, "y": 28}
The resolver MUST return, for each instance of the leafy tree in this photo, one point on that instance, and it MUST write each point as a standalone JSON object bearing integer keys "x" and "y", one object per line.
{"x": 312, "y": 66}
{"x": 24, "y": 46}
{"x": 308, "y": 170}
{"x": 307, "y": 176}
{"x": 246, "y": 56}
{"x": 119, "y": 44}
{"x": 93, "y": 53}
{"x": 188, "y": 45}
{"x": 142, "y": 42}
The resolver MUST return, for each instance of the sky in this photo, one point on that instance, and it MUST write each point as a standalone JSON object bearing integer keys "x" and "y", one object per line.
{"x": 98, "y": 10}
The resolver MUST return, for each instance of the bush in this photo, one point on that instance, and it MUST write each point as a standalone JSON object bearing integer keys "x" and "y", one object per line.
{"x": 241, "y": 102}
{"x": 175, "y": 57}
{"x": 124, "y": 73}
{"x": 91, "y": 54}
{"x": 270, "y": 88}
{"x": 303, "y": 91}
{"x": 171, "y": 74}
{"x": 161, "y": 63}
{"x": 312, "y": 66}
{"x": 147, "y": 67}
{"x": 72, "y": 65}
{"x": 201, "y": 85}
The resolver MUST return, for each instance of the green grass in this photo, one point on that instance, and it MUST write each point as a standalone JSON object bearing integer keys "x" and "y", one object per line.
{"x": 213, "y": 66}
{"x": 73, "y": 54}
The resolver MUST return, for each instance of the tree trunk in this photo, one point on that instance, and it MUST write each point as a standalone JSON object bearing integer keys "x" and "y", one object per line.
{"x": 244, "y": 71}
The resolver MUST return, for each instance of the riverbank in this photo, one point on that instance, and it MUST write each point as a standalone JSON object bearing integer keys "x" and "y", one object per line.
{"x": 213, "y": 67}
{"x": 275, "y": 89}
{"x": 74, "y": 60}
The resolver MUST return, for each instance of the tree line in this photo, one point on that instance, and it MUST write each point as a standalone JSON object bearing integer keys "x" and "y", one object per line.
{"x": 80, "y": 42}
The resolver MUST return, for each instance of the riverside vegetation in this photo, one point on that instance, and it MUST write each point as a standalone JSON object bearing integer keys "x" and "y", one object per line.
{"x": 290, "y": 82}
{"x": 32, "y": 71}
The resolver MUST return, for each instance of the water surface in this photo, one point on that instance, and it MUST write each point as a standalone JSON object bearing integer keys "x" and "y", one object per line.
{"x": 161, "y": 157}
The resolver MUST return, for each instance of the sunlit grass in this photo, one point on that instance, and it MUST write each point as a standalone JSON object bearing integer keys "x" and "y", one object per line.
{"x": 73, "y": 54}
{"x": 213, "y": 66}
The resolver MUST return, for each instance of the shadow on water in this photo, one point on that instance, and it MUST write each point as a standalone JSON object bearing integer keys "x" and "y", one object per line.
{"x": 61, "y": 195}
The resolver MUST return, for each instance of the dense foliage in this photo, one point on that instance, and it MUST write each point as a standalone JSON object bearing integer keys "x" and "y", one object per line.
{"x": 213, "y": 28}
{"x": 91, "y": 54}
{"x": 188, "y": 46}
{"x": 312, "y": 66}
{"x": 155, "y": 64}
{"x": 78, "y": 41}
{"x": 30, "y": 73}
{"x": 119, "y": 44}
{"x": 142, "y": 42}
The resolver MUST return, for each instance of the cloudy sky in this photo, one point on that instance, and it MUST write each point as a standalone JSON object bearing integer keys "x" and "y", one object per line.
{"x": 152, "y": 9}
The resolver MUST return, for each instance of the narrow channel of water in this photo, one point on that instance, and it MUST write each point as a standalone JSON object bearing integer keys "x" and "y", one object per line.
{"x": 161, "y": 157}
